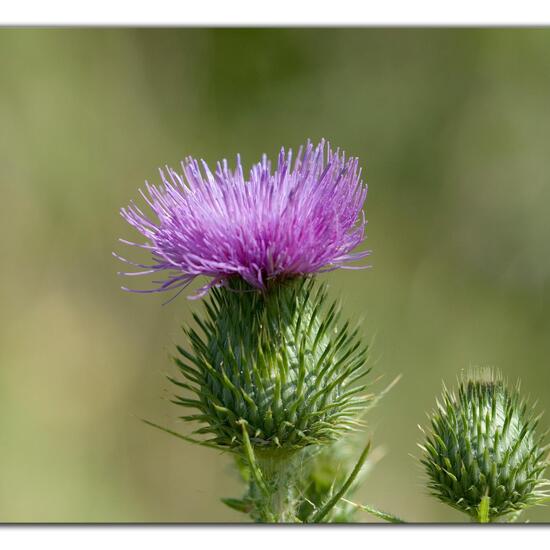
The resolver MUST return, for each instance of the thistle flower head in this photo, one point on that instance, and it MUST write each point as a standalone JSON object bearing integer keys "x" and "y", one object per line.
{"x": 483, "y": 446}
{"x": 300, "y": 218}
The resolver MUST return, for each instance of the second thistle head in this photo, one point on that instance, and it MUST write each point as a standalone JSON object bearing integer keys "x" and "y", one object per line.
{"x": 483, "y": 450}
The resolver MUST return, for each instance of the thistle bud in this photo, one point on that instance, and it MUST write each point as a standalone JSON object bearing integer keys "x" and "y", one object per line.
{"x": 275, "y": 362}
{"x": 483, "y": 456}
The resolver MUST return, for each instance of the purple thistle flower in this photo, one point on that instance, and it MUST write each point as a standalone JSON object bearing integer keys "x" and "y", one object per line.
{"x": 305, "y": 217}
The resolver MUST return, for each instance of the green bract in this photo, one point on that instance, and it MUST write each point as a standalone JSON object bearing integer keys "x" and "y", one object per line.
{"x": 276, "y": 362}
{"x": 483, "y": 450}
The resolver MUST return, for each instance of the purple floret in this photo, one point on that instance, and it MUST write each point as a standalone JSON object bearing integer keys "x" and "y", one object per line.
{"x": 303, "y": 218}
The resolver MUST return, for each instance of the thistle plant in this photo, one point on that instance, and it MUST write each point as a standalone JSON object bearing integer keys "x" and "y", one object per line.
{"x": 270, "y": 371}
{"x": 482, "y": 455}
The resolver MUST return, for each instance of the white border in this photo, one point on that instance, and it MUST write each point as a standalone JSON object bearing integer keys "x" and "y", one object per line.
{"x": 280, "y": 13}
{"x": 297, "y": 537}
{"x": 275, "y": 13}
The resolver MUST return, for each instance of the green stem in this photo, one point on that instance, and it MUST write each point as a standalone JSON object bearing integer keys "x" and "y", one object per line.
{"x": 251, "y": 459}
{"x": 272, "y": 483}
{"x": 278, "y": 504}
{"x": 483, "y": 510}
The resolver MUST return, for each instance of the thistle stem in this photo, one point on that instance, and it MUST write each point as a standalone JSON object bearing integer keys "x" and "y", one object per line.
{"x": 483, "y": 511}
{"x": 278, "y": 503}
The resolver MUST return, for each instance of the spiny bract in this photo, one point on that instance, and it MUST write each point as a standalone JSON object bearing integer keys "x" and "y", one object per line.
{"x": 483, "y": 443}
{"x": 277, "y": 362}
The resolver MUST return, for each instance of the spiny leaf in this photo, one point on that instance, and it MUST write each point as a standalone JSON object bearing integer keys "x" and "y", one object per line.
{"x": 390, "y": 518}
{"x": 320, "y": 514}
{"x": 239, "y": 505}
{"x": 187, "y": 438}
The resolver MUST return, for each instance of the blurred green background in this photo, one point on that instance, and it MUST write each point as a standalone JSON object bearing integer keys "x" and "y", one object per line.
{"x": 452, "y": 127}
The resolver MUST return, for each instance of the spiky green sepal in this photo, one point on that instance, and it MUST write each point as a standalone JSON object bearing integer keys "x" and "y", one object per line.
{"x": 483, "y": 456}
{"x": 277, "y": 362}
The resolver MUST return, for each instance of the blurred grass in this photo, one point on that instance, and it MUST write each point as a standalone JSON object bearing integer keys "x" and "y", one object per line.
{"x": 452, "y": 128}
